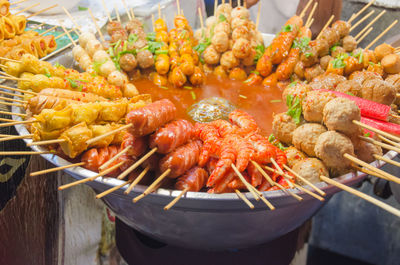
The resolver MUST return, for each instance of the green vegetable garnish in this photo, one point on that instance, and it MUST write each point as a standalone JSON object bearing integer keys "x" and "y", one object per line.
{"x": 308, "y": 54}
{"x": 287, "y": 28}
{"x": 294, "y": 108}
{"x": 293, "y": 84}
{"x": 368, "y": 134}
{"x": 221, "y": 18}
{"x": 338, "y": 63}
{"x": 82, "y": 8}
{"x": 161, "y": 52}
{"x": 193, "y": 95}
{"x": 72, "y": 83}
{"x": 97, "y": 65}
{"x": 271, "y": 138}
{"x": 151, "y": 36}
{"x": 260, "y": 49}
{"x": 302, "y": 44}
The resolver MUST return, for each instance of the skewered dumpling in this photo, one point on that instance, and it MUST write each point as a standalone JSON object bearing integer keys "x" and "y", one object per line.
{"x": 75, "y": 139}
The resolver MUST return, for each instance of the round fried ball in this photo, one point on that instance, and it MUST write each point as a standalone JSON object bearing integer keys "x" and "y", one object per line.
{"x": 306, "y": 135}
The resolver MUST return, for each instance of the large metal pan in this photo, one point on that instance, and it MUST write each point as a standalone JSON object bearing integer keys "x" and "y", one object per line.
{"x": 201, "y": 220}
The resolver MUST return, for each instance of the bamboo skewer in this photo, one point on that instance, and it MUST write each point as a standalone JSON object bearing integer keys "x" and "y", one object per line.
{"x": 104, "y": 193}
{"x": 370, "y": 24}
{"x": 311, "y": 22}
{"x": 306, "y": 181}
{"x": 362, "y": 20}
{"x": 153, "y": 186}
{"x": 14, "y": 137}
{"x": 380, "y": 35}
{"x": 13, "y": 113}
{"x": 258, "y": 15}
{"x": 106, "y": 10}
{"x": 383, "y": 145}
{"x": 41, "y": 11}
{"x": 311, "y": 13}
{"x": 303, "y": 12}
{"x": 41, "y": 172}
{"x": 137, "y": 180}
{"x": 177, "y": 198}
{"x": 16, "y": 123}
{"x": 95, "y": 139}
{"x": 14, "y": 153}
{"x": 14, "y": 78}
{"x": 248, "y": 186}
{"x": 69, "y": 36}
{"x": 15, "y": 100}
{"x": 244, "y": 198}
{"x": 152, "y": 22}
{"x": 201, "y": 19}
{"x": 117, "y": 13}
{"x": 361, "y": 11}
{"x": 373, "y": 169}
{"x": 55, "y": 141}
{"x": 65, "y": 33}
{"x": 6, "y": 120}
{"x": 96, "y": 25}
{"x": 132, "y": 13}
{"x": 9, "y": 59}
{"x": 12, "y": 104}
{"x": 18, "y": 90}
{"x": 109, "y": 162}
{"x": 137, "y": 163}
{"x": 369, "y": 172}
{"x": 378, "y": 157}
{"x": 26, "y": 8}
{"x": 37, "y": 26}
{"x": 389, "y": 141}
{"x": 215, "y": 7}
{"x": 17, "y": 2}
{"x": 126, "y": 9}
{"x": 362, "y": 195}
{"x": 326, "y": 25}
{"x": 49, "y": 30}
{"x": 105, "y": 172}
{"x": 372, "y": 129}
{"x": 365, "y": 35}
{"x": 159, "y": 11}
{"x": 72, "y": 19}
{"x": 178, "y": 6}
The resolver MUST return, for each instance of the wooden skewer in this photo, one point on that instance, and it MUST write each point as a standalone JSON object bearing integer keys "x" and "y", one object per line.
{"x": 238, "y": 3}
{"x": 95, "y": 139}
{"x": 109, "y": 162}
{"x": 132, "y": 13}
{"x": 362, "y": 20}
{"x": 365, "y": 35}
{"x": 106, "y": 10}
{"x": 230, "y": 2}
{"x": 244, "y": 198}
{"x": 244, "y": 3}
{"x": 394, "y": 163}
{"x": 159, "y": 11}
{"x": 117, "y": 13}
{"x": 368, "y": 172}
{"x": 41, "y": 172}
{"x": 6, "y": 135}
{"x": 25, "y": 9}
{"x": 137, "y": 180}
{"x": 259, "y": 13}
{"x": 389, "y": 141}
{"x": 137, "y": 163}
{"x": 153, "y": 186}
{"x": 97, "y": 26}
{"x": 394, "y": 115}
{"x": 3, "y": 66}
{"x": 372, "y": 129}
{"x": 37, "y": 26}
{"x": 14, "y": 78}
{"x": 248, "y": 186}
{"x": 12, "y": 104}
{"x": 105, "y": 172}
{"x": 360, "y": 12}
{"x": 65, "y": 33}
{"x": 311, "y": 13}
{"x": 72, "y": 19}
{"x": 126, "y": 9}
{"x": 69, "y": 36}
{"x": 18, "y": 90}
{"x": 201, "y": 19}
{"x": 55, "y": 141}
{"x": 306, "y": 181}
{"x": 380, "y": 35}
{"x": 16, "y": 123}
{"x": 104, "y": 193}
{"x": 6, "y": 120}
{"x": 370, "y": 24}
{"x": 383, "y": 145}
{"x": 177, "y": 198}
{"x": 178, "y": 5}
{"x": 152, "y": 21}
{"x": 15, "y": 100}
{"x": 12, "y": 113}
{"x": 215, "y": 6}
{"x": 49, "y": 30}
{"x": 303, "y": 12}
{"x": 14, "y": 153}
{"x": 17, "y": 2}
{"x": 362, "y": 195}
{"x": 14, "y": 137}
{"x": 41, "y": 11}
{"x": 373, "y": 169}
{"x": 311, "y": 22}
{"x": 326, "y": 25}
{"x": 9, "y": 59}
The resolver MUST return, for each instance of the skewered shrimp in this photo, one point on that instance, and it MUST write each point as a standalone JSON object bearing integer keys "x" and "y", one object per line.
{"x": 210, "y": 137}
{"x": 246, "y": 123}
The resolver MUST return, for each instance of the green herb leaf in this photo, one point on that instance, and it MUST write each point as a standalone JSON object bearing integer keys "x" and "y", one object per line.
{"x": 271, "y": 138}
{"x": 338, "y": 63}
{"x": 308, "y": 54}
{"x": 72, "y": 83}
{"x": 97, "y": 65}
{"x": 293, "y": 84}
{"x": 368, "y": 134}
{"x": 193, "y": 95}
{"x": 151, "y": 36}
{"x": 82, "y": 8}
{"x": 294, "y": 106}
{"x": 351, "y": 94}
{"x": 133, "y": 38}
{"x": 47, "y": 72}
{"x": 255, "y": 72}
{"x": 161, "y": 52}
{"x": 303, "y": 44}
{"x": 333, "y": 48}
{"x": 221, "y": 18}
{"x": 260, "y": 49}
{"x": 287, "y": 28}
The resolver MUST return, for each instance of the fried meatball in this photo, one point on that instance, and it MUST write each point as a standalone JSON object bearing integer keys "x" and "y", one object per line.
{"x": 338, "y": 115}
{"x": 299, "y": 90}
{"x": 241, "y": 48}
{"x": 379, "y": 91}
{"x": 228, "y": 60}
{"x": 391, "y": 63}
{"x": 240, "y": 12}
{"x": 309, "y": 58}
{"x": 85, "y": 37}
{"x": 130, "y": 90}
{"x": 238, "y": 73}
{"x": 330, "y": 148}
{"x": 394, "y": 80}
{"x": 324, "y": 61}
{"x": 306, "y": 135}
{"x": 145, "y": 59}
{"x": 299, "y": 69}
{"x": 350, "y": 86}
{"x": 312, "y": 72}
{"x": 220, "y": 41}
{"x": 222, "y": 27}
{"x": 349, "y": 43}
{"x": 342, "y": 27}
{"x": 383, "y": 50}
{"x": 337, "y": 51}
{"x": 249, "y": 60}
{"x": 365, "y": 151}
{"x": 363, "y": 76}
{"x": 294, "y": 155}
{"x": 128, "y": 62}
{"x": 220, "y": 71}
{"x": 210, "y": 55}
{"x": 283, "y": 126}
{"x": 310, "y": 169}
{"x": 331, "y": 36}
{"x": 119, "y": 35}
{"x": 321, "y": 47}
{"x": 237, "y": 22}
{"x": 224, "y": 8}
{"x": 327, "y": 81}
{"x": 313, "y": 105}
{"x": 210, "y": 21}
{"x": 113, "y": 26}
{"x": 240, "y": 32}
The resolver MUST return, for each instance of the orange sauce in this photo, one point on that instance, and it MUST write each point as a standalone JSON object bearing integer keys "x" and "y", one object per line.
{"x": 256, "y": 100}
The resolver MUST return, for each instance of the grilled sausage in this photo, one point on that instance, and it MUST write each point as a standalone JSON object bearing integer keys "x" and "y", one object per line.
{"x": 194, "y": 179}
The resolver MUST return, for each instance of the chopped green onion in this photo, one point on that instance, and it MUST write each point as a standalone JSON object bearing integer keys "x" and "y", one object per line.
{"x": 188, "y": 87}
{"x": 164, "y": 87}
{"x": 241, "y": 96}
{"x": 72, "y": 82}
{"x": 193, "y": 95}
{"x": 275, "y": 101}
{"x": 221, "y": 18}
{"x": 82, "y": 8}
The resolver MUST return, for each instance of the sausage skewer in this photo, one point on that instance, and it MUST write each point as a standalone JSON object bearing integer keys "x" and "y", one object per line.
{"x": 137, "y": 180}
{"x": 177, "y": 198}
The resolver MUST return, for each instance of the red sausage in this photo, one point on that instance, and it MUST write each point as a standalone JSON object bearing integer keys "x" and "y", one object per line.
{"x": 147, "y": 119}
{"x": 138, "y": 145}
{"x": 194, "y": 179}
{"x": 171, "y": 136}
{"x": 182, "y": 159}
